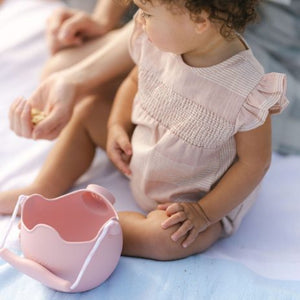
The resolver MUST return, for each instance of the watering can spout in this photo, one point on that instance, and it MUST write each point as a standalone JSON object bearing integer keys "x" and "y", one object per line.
{"x": 101, "y": 191}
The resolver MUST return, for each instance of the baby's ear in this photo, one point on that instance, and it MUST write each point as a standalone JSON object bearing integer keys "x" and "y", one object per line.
{"x": 202, "y": 22}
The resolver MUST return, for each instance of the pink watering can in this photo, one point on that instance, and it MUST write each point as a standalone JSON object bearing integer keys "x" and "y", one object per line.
{"x": 71, "y": 243}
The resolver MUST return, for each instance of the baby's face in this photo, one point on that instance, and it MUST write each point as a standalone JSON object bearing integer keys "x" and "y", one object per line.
{"x": 169, "y": 29}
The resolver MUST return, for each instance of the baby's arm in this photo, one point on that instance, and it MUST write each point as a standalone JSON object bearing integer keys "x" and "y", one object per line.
{"x": 254, "y": 152}
{"x": 253, "y": 160}
{"x": 119, "y": 124}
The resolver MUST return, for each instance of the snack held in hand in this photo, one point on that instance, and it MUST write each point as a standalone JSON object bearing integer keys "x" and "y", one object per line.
{"x": 37, "y": 116}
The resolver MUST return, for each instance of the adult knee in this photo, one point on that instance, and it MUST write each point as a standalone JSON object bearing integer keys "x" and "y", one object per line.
{"x": 51, "y": 66}
{"x": 56, "y": 63}
{"x": 84, "y": 109}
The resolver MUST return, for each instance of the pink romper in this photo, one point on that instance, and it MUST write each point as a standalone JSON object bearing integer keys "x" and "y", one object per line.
{"x": 186, "y": 119}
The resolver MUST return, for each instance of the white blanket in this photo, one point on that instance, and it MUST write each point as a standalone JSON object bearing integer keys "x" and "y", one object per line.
{"x": 261, "y": 261}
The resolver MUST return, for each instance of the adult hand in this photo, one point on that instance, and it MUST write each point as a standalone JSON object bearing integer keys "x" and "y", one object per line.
{"x": 191, "y": 218}
{"x": 119, "y": 148}
{"x": 69, "y": 27}
{"x": 55, "y": 97}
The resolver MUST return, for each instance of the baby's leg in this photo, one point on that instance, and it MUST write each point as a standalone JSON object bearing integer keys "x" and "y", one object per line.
{"x": 144, "y": 237}
{"x": 73, "y": 152}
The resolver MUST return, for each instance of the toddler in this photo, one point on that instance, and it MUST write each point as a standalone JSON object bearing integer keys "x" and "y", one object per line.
{"x": 190, "y": 126}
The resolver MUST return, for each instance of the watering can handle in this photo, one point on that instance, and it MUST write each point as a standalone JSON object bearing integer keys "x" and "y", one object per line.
{"x": 101, "y": 191}
{"x": 28, "y": 266}
{"x": 35, "y": 270}
{"x": 21, "y": 199}
{"x": 108, "y": 225}
{"x": 42, "y": 274}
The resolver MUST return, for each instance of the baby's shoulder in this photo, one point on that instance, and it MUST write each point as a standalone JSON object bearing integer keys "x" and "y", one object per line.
{"x": 240, "y": 74}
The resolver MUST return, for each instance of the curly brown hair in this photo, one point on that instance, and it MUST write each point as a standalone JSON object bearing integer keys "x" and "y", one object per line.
{"x": 232, "y": 15}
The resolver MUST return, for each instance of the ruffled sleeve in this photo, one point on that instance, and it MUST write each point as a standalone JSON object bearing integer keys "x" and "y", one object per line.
{"x": 268, "y": 97}
{"x": 135, "y": 39}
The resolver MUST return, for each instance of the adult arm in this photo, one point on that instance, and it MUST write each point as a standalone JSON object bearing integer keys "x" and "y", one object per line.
{"x": 109, "y": 13}
{"x": 67, "y": 27}
{"x": 58, "y": 94}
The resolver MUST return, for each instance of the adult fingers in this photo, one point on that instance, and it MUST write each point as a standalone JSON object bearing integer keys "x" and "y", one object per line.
{"x": 20, "y": 117}
{"x": 51, "y": 126}
{"x": 54, "y": 44}
{"x": 72, "y": 27}
{"x": 47, "y": 131}
{"x": 26, "y": 121}
{"x": 54, "y": 24}
{"x": 57, "y": 18}
{"x": 15, "y": 113}
{"x": 12, "y": 112}
{"x": 81, "y": 25}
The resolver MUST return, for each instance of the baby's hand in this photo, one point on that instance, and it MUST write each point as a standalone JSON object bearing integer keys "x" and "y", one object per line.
{"x": 190, "y": 215}
{"x": 118, "y": 148}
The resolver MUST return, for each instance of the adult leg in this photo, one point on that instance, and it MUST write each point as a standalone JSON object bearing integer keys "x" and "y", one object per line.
{"x": 144, "y": 237}
{"x": 70, "y": 56}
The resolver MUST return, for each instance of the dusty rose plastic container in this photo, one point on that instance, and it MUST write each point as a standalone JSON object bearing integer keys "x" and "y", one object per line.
{"x": 71, "y": 243}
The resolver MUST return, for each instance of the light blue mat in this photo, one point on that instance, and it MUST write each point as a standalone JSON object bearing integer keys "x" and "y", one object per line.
{"x": 198, "y": 277}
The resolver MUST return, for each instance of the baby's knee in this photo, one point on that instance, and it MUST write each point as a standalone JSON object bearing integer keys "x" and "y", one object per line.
{"x": 164, "y": 248}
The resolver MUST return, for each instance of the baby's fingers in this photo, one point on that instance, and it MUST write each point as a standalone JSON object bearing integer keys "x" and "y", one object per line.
{"x": 173, "y": 220}
{"x": 116, "y": 157}
{"x": 182, "y": 230}
{"x": 174, "y": 208}
{"x": 193, "y": 234}
{"x": 164, "y": 206}
{"x": 125, "y": 144}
